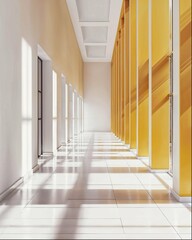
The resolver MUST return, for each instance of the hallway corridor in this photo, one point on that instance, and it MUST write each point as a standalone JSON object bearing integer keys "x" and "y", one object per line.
{"x": 94, "y": 188}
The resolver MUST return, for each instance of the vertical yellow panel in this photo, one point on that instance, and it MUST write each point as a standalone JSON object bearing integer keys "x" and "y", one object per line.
{"x": 117, "y": 79}
{"x": 122, "y": 81}
{"x": 185, "y": 98}
{"x": 112, "y": 82}
{"x": 118, "y": 92}
{"x": 126, "y": 70}
{"x": 160, "y": 84}
{"x": 119, "y": 88}
{"x": 112, "y": 96}
{"x": 132, "y": 61}
{"x": 115, "y": 90}
{"x": 143, "y": 78}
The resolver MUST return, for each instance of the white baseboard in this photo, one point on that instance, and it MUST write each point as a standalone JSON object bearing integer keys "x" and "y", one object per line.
{"x": 11, "y": 188}
{"x": 181, "y": 199}
{"x": 35, "y": 168}
{"x": 20, "y": 181}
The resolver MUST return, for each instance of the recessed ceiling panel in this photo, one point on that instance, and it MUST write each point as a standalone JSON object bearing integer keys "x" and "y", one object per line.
{"x": 95, "y": 23}
{"x": 96, "y": 51}
{"x": 93, "y": 10}
{"x": 94, "y": 34}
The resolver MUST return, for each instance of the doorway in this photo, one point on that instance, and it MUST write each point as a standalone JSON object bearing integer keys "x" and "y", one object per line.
{"x": 40, "y": 107}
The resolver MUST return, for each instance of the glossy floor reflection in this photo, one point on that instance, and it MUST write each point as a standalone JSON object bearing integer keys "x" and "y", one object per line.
{"x": 94, "y": 188}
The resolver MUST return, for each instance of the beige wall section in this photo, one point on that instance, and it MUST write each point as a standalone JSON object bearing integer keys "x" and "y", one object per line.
{"x": 48, "y": 24}
{"x": 160, "y": 84}
{"x": 185, "y": 98}
{"x": 97, "y": 97}
{"x": 143, "y": 78}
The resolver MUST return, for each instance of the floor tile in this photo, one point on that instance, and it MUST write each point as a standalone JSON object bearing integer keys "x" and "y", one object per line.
{"x": 124, "y": 178}
{"x": 148, "y": 178}
{"x": 91, "y": 194}
{"x": 7, "y": 211}
{"x": 64, "y": 236}
{"x": 117, "y": 163}
{"x": 178, "y": 216}
{"x": 135, "y": 163}
{"x": 2, "y": 229}
{"x": 170, "y": 203}
{"x": 136, "y": 204}
{"x": 68, "y": 226}
{"x": 91, "y": 203}
{"x": 143, "y": 217}
{"x": 124, "y": 194}
{"x": 96, "y": 178}
{"x": 185, "y": 236}
{"x": 40, "y": 213}
{"x": 160, "y": 194}
{"x": 94, "y": 188}
{"x": 50, "y": 196}
{"x": 183, "y": 230}
{"x": 152, "y": 236}
{"x": 150, "y": 230}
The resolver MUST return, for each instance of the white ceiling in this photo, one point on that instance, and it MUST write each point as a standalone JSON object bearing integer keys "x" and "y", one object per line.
{"x": 95, "y": 23}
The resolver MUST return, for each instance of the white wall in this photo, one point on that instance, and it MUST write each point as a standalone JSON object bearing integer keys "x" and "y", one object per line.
{"x": 22, "y": 29}
{"x": 18, "y": 117}
{"x": 97, "y": 97}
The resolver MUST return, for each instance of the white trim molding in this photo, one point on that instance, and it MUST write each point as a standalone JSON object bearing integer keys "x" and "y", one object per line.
{"x": 181, "y": 199}
{"x": 11, "y": 188}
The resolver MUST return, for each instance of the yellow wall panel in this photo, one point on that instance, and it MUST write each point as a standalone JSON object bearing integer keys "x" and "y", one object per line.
{"x": 143, "y": 78}
{"x": 160, "y": 84}
{"x": 122, "y": 81}
{"x": 54, "y": 32}
{"x": 185, "y": 98}
{"x": 120, "y": 84}
{"x": 132, "y": 61}
{"x": 126, "y": 72}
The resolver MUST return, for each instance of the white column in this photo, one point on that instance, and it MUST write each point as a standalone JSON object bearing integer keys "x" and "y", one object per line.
{"x": 176, "y": 93}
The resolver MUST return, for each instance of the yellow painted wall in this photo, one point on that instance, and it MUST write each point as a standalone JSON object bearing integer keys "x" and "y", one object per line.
{"x": 120, "y": 84}
{"x": 122, "y": 80}
{"x": 116, "y": 80}
{"x": 126, "y": 71}
{"x": 143, "y": 78}
{"x": 118, "y": 91}
{"x": 185, "y": 98}
{"x": 48, "y": 23}
{"x": 118, "y": 71}
{"x": 132, "y": 76}
{"x": 160, "y": 84}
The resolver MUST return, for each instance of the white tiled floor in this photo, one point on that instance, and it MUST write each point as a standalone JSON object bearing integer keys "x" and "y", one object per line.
{"x": 94, "y": 188}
